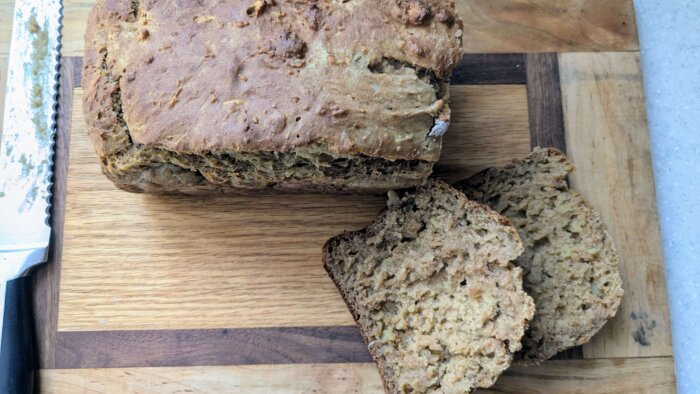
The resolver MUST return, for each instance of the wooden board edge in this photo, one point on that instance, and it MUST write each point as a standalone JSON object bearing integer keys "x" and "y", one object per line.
{"x": 46, "y": 277}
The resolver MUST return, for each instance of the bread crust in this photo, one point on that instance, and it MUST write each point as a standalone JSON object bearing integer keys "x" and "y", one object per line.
{"x": 381, "y": 366}
{"x": 362, "y": 78}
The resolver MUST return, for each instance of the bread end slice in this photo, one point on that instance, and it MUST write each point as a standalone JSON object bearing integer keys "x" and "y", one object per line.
{"x": 570, "y": 263}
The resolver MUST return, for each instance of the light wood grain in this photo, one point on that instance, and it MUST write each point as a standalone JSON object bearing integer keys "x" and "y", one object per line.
{"x": 489, "y": 127}
{"x": 138, "y": 261}
{"x": 548, "y": 25}
{"x": 263, "y": 379}
{"x": 618, "y": 376}
{"x": 135, "y": 262}
{"x": 603, "y": 376}
{"x": 490, "y": 25}
{"x": 607, "y": 140}
{"x": 75, "y": 16}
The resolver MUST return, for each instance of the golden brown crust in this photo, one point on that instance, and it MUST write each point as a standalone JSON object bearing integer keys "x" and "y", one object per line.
{"x": 198, "y": 76}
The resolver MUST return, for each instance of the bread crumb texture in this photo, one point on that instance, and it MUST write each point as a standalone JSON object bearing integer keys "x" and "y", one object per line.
{"x": 432, "y": 288}
{"x": 570, "y": 264}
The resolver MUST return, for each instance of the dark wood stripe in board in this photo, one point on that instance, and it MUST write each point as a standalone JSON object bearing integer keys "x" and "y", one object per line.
{"x": 544, "y": 101}
{"x": 490, "y": 69}
{"x": 46, "y": 277}
{"x": 174, "y": 348}
{"x": 168, "y": 348}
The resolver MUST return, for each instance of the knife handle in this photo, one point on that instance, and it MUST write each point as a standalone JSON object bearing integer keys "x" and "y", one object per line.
{"x": 17, "y": 358}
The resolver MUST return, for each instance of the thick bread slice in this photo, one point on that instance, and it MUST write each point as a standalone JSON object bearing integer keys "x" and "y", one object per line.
{"x": 432, "y": 288}
{"x": 570, "y": 264}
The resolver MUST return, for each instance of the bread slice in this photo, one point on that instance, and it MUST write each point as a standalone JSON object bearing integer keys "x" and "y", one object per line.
{"x": 432, "y": 288}
{"x": 570, "y": 264}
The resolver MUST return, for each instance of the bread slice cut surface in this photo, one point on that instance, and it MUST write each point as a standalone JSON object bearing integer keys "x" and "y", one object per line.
{"x": 570, "y": 263}
{"x": 433, "y": 290}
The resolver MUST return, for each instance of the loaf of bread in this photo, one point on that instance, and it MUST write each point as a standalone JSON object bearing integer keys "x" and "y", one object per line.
{"x": 432, "y": 288}
{"x": 201, "y": 96}
{"x": 570, "y": 264}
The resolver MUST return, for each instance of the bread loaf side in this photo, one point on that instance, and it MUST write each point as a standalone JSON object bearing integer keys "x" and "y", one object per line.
{"x": 205, "y": 96}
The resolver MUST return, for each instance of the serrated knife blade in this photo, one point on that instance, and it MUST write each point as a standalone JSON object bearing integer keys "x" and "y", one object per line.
{"x": 26, "y": 160}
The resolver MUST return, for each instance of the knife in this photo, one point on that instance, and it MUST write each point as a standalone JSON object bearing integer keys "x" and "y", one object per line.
{"x": 26, "y": 161}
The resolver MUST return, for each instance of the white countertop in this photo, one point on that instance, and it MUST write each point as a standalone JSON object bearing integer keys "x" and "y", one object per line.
{"x": 669, "y": 33}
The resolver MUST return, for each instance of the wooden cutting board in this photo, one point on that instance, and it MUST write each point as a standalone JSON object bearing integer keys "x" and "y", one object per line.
{"x": 228, "y": 294}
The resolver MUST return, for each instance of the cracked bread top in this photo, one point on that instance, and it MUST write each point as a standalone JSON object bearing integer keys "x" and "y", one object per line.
{"x": 355, "y": 77}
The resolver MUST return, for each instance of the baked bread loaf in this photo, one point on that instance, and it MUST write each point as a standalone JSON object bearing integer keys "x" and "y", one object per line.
{"x": 201, "y": 96}
{"x": 570, "y": 264}
{"x": 432, "y": 288}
